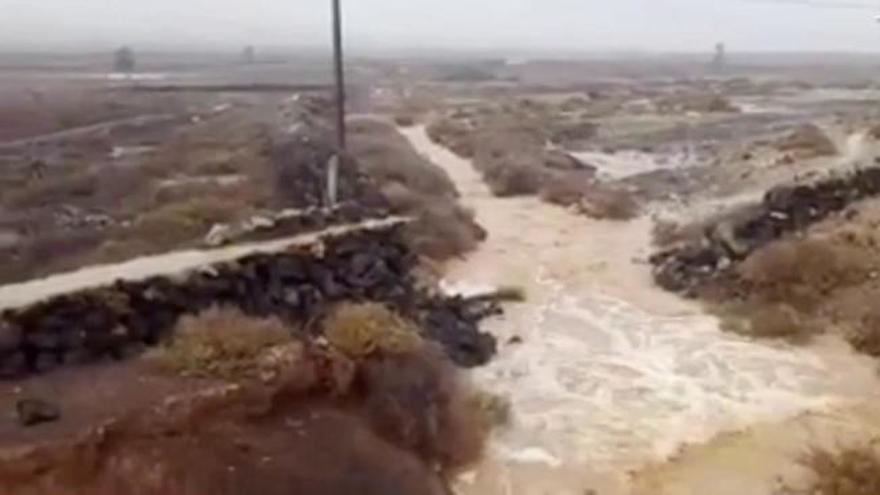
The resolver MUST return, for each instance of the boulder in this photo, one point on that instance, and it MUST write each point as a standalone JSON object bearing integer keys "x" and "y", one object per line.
{"x": 32, "y": 412}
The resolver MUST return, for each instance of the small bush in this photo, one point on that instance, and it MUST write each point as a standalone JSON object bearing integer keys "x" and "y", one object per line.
{"x": 386, "y": 156}
{"x": 803, "y": 273}
{"x": 567, "y": 189}
{"x": 454, "y": 135}
{"x": 365, "y": 329}
{"x": 513, "y": 175}
{"x": 220, "y": 343}
{"x": 850, "y": 471}
{"x": 605, "y": 203}
{"x": 808, "y": 141}
{"x": 573, "y": 132}
{"x": 444, "y": 231}
{"x": 404, "y": 120}
{"x": 419, "y": 401}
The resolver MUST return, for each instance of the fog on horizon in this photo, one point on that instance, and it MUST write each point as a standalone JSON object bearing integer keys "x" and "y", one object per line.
{"x": 408, "y": 25}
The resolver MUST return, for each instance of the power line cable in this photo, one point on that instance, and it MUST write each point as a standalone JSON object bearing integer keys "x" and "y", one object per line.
{"x": 821, "y": 4}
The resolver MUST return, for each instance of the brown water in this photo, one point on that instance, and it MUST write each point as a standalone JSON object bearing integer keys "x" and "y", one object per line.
{"x": 614, "y": 375}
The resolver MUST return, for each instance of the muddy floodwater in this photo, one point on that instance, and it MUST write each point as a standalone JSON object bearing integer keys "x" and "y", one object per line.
{"x": 610, "y": 377}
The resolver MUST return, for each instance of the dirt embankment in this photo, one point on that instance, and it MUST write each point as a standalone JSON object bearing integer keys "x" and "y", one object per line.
{"x": 121, "y": 320}
{"x": 391, "y": 417}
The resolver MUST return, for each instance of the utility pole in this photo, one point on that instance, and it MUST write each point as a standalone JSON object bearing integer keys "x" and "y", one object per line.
{"x": 337, "y": 160}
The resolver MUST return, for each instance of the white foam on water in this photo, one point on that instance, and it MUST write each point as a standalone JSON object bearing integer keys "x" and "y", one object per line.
{"x": 627, "y": 163}
{"x": 602, "y": 382}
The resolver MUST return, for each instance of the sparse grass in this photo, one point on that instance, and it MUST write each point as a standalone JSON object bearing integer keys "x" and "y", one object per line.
{"x": 220, "y": 343}
{"x": 849, "y": 471}
{"x": 187, "y": 221}
{"x": 363, "y": 329}
{"x": 56, "y": 188}
{"x": 42, "y": 253}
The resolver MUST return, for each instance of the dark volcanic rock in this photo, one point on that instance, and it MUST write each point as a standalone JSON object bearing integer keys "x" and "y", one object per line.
{"x": 32, "y": 412}
{"x": 117, "y": 321}
{"x": 784, "y": 209}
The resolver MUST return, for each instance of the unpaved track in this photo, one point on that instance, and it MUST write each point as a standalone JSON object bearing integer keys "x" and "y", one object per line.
{"x": 18, "y": 295}
{"x": 613, "y": 373}
{"x": 88, "y": 130}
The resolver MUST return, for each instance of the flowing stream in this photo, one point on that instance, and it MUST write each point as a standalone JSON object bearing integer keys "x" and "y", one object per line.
{"x": 611, "y": 373}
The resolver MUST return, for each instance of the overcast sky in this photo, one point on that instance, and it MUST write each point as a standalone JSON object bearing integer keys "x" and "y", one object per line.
{"x": 570, "y": 25}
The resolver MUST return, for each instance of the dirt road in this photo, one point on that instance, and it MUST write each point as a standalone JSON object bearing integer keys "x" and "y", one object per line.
{"x": 18, "y": 295}
{"x": 614, "y": 374}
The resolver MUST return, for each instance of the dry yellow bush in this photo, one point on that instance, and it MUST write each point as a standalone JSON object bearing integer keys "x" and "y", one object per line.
{"x": 220, "y": 343}
{"x": 361, "y": 330}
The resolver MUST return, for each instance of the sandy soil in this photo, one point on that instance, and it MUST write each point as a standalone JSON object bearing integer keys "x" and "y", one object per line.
{"x": 614, "y": 374}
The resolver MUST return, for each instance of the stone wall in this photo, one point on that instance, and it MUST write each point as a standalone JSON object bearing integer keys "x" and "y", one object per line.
{"x": 784, "y": 209}
{"x": 123, "y": 319}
